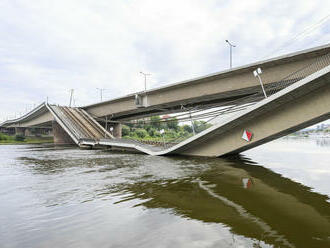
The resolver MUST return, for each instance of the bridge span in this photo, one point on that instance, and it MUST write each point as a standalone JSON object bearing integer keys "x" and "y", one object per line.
{"x": 297, "y": 86}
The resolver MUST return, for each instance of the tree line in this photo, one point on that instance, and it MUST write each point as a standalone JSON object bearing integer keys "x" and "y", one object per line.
{"x": 150, "y": 130}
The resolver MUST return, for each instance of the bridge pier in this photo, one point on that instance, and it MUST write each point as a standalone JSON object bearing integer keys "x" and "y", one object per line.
{"x": 117, "y": 130}
{"x": 20, "y": 131}
{"x": 60, "y": 136}
{"x": 28, "y": 132}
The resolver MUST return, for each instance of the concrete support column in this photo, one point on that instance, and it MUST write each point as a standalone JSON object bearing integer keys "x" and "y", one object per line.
{"x": 117, "y": 130}
{"x": 20, "y": 131}
{"x": 28, "y": 132}
{"x": 60, "y": 136}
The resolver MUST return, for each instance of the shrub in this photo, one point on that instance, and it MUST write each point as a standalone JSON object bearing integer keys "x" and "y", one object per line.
{"x": 141, "y": 133}
{"x": 152, "y": 132}
{"x": 3, "y": 137}
{"x": 125, "y": 130}
{"x": 187, "y": 128}
{"x": 19, "y": 137}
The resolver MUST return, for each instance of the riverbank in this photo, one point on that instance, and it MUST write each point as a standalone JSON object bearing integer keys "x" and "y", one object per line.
{"x": 27, "y": 140}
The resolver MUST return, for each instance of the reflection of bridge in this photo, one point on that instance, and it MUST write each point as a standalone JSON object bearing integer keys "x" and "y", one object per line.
{"x": 298, "y": 86}
{"x": 275, "y": 210}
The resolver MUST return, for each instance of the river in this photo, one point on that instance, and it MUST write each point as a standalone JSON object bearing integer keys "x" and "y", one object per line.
{"x": 276, "y": 195}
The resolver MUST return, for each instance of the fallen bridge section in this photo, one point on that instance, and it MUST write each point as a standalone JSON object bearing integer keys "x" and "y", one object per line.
{"x": 82, "y": 129}
{"x": 300, "y": 105}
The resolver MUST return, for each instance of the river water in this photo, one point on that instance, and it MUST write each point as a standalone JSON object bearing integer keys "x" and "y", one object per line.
{"x": 276, "y": 195}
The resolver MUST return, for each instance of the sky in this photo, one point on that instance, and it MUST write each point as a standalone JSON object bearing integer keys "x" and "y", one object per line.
{"x": 49, "y": 47}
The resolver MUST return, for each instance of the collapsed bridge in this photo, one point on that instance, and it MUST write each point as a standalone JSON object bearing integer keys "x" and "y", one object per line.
{"x": 297, "y": 87}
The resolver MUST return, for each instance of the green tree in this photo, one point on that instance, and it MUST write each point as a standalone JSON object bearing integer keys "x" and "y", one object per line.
{"x": 140, "y": 124}
{"x": 152, "y": 132}
{"x": 187, "y": 128}
{"x": 173, "y": 124}
{"x": 155, "y": 122}
{"x": 141, "y": 133}
{"x": 201, "y": 126}
{"x": 125, "y": 130}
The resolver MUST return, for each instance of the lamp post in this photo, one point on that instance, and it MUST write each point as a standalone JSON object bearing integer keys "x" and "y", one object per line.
{"x": 162, "y": 131}
{"x": 191, "y": 120}
{"x": 230, "y": 48}
{"x": 101, "y": 93}
{"x": 257, "y": 74}
{"x": 71, "y": 97}
{"x": 145, "y": 79}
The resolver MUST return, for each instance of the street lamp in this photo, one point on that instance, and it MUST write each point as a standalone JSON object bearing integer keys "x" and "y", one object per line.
{"x": 230, "y": 47}
{"x": 71, "y": 97}
{"x": 145, "y": 79}
{"x": 257, "y": 74}
{"x": 162, "y": 131}
{"x": 101, "y": 92}
{"x": 191, "y": 120}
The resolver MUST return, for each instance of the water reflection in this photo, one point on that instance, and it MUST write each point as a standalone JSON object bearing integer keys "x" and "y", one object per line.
{"x": 275, "y": 210}
{"x": 260, "y": 208}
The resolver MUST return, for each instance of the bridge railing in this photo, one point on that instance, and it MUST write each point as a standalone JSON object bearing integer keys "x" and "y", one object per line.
{"x": 318, "y": 64}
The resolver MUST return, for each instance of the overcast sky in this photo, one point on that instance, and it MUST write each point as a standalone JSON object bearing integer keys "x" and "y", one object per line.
{"x": 48, "y": 47}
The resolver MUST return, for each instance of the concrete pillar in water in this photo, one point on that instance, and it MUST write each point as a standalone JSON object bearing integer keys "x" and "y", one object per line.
{"x": 28, "y": 132}
{"x": 117, "y": 130}
{"x": 60, "y": 136}
{"x": 20, "y": 131}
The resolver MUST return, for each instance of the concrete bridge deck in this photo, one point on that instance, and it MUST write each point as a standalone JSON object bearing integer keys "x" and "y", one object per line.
{"x": 221, "y": 88}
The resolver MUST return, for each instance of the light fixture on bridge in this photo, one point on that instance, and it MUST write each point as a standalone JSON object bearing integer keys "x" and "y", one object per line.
{"x": 145, "y": 79}
{"x": 230, "y": 53}
{"x": 257, "y": 74}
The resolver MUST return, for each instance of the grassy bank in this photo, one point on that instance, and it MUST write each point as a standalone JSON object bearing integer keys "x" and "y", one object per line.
{"x": 7, "y": 140}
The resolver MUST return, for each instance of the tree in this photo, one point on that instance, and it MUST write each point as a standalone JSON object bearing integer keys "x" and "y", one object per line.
{"x": 173, "y": 123}
{"x": 141, "y": 133}
{"x": 140, "y": 124}
{"x": 187, "y": 128}
{"x": 170, "y": 134}
{"x": 125, "y": 130}
{"x": 155, "y": 122}
{"x": 152, "y": 132}
{"x": 201, "y": 126}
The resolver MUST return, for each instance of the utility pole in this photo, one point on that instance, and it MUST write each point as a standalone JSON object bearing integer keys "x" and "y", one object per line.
{"x": 145, "y": 79}
{"x": 71, "y": 97}
{"x": 230, "y": 48}
{"x": 101, "y": 93}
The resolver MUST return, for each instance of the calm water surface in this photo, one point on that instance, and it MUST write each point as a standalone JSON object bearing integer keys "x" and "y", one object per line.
{"x": 276, "y": 195}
